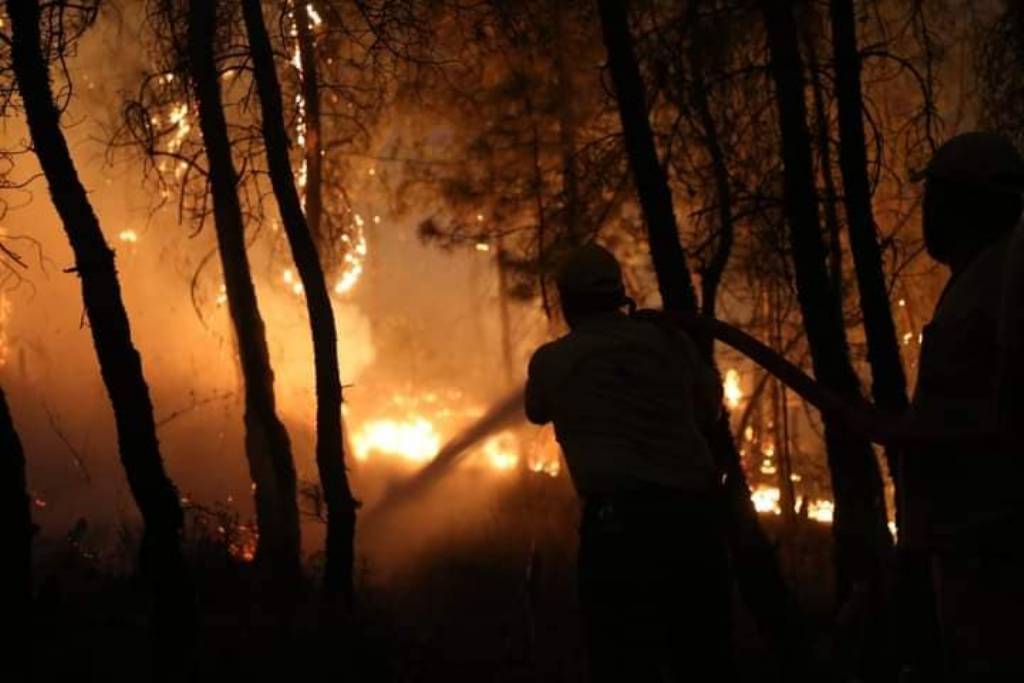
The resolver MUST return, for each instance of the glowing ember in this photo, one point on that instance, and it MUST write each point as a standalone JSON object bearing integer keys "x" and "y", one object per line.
{"x": 732, "y": 389}
{"x": 352, "y": 261}
{"x": 500, "y": 451}
{"x": 5, "y": 314}
{"x": 129, "y": 236}
{"x": 243, "y": 545}
{"x": 314, "y": 16}
{"x": 178, "y": 118}
{"x": 549, "y": 466}
{"x": 766, "y": 499}
{"x": 821, "y": 510}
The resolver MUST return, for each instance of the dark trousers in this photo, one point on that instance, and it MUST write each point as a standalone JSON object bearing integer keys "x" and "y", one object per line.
{"x": 655, "y": 589}
{"x": 980, "y": 603}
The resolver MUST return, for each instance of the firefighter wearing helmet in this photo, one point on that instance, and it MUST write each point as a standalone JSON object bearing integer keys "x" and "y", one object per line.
{"x": 630, "y": 399}
{"x": 961, "y": 479}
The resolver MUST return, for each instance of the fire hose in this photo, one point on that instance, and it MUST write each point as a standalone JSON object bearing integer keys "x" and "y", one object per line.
{"x": 856, "y": 414}
{"x": 509, "y": 410}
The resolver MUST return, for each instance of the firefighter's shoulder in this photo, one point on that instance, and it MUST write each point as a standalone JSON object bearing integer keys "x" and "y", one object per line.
{"x": 553, "y": 355}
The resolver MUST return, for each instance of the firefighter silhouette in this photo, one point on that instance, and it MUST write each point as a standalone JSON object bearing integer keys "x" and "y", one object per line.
{"x": 629, "y": 399}
{"x": 962, "y": 503}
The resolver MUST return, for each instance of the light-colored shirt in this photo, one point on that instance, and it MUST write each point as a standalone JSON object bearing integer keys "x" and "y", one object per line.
{"x": 628, "y": 399}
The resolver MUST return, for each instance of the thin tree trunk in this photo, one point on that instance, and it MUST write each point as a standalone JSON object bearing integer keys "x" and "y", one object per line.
{"x": 504, "y": 314}
{"x": 567, "y": 130}
{"x": 712, "y": 276}
{"x": 780, "y": 416}
{"x": 889, "y": 384}
{"x": 758, "y": 574}
{"x": 313, "y": 148}
{"x": 161, "y": 560}
{"x": 341, "y": 506}
{"x": 860, "y": 529}
{"x": 824, "y": 144}
{"x": 538, "y": 202}
{"x": 16, "y": 534}
{"x": 267, "y": 446}
{"x": 674, "y": 281}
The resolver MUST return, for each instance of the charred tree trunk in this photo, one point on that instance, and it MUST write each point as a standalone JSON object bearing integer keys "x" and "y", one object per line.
{"x": 16, "y": 534}
{"x": 860, "y": 530}
{"x": 537, "y": 186}
{"x": 267, "y": 446}
{"x": 567, "y": 130}
{"x": 504, "y": 313}
{"x": 889, "y": 384}
{"x": 824, "y": 145}
{"x": 758, "y": 574}
{"x": 674, "y": 282}
{"x": 712, "y": 276}
{"x": 330, "y": 459}
{"x": 161, "y": 560}
{"x": 314, "y": 143}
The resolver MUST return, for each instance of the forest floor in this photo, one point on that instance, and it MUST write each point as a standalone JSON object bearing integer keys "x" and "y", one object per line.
{"x": 495, "y": 601}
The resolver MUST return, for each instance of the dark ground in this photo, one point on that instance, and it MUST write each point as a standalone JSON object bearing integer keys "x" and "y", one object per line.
{"x": 494, "y": 602}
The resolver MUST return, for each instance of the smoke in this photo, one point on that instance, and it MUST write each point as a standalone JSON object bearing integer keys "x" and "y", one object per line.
{"x": 421, "y": 322}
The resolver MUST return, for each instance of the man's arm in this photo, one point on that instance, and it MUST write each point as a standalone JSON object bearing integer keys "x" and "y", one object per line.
{"x": 707, "y": 385}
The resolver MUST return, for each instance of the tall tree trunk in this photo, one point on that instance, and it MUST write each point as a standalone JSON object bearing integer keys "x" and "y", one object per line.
{"x": 504, "y": 314}
{"x": 567, "y": 129}
{"x": 860, "y": 529}
{"x": 267, "y": 446}
{"x": 314, "y": 143}
{"x": 161, "y": 560}
{"x": 824, "y": 145}
{"x": 341, "y": 506}
{"x": 758, "y": 574}
{"x": 537, "y": 186}
{"x": 712, "y": 276}
{"x": 16, "y": 535}
{"x": 673, "y": 275}
{"x": 780, "y": 413}
{"x": 889, "y": 384}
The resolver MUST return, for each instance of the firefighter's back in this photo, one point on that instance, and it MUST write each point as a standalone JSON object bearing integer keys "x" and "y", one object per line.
{"x": 623, "y": 396}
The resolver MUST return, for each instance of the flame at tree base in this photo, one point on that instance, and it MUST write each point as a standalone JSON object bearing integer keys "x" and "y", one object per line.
{"x": 767, "y": 500}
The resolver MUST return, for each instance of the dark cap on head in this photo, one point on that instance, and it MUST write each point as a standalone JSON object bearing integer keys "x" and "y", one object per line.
{"x": 973, "y": 196}
{"x": 978, "y": 159}
{"x": 590, "y": 280}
